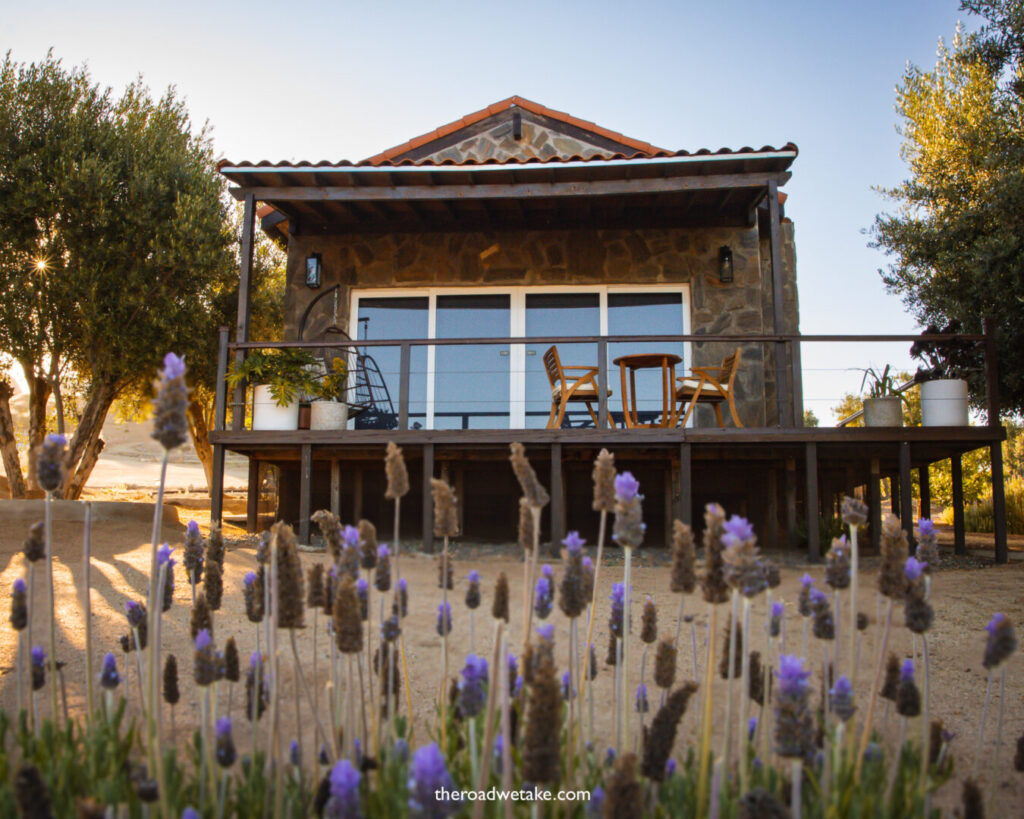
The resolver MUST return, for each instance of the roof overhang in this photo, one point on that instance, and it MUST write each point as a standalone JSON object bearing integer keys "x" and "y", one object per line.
{"x": 705, "y": 188}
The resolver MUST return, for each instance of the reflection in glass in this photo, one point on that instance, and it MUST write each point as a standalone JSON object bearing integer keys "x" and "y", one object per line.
{"x": 471, "y": 383}
{"x": 644, "y": 314}
{"x": 401, "y": 318}
{"x": 559, "y": 314}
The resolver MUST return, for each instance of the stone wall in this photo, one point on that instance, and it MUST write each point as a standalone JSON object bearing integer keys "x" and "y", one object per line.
{"x": 572, "y": 257}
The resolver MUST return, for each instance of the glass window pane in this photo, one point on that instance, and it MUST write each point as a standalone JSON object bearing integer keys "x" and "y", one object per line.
{"x": 559, "y": 314}
{"x": 471, "y": 383}
{"x": 644, "y": 314}
{"x": 378, "y": 373}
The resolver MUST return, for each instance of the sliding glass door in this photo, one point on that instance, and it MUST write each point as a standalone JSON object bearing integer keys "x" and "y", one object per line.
{"x": 505, "y": 386}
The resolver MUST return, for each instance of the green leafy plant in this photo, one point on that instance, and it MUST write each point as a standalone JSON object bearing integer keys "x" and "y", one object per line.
{"x": 879, "y": 384}
{"x": 287, "y": 372}
{"x": 332, "y": 385}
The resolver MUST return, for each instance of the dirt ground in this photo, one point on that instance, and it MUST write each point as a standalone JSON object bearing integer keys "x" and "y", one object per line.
{"x": 964, "y": 600}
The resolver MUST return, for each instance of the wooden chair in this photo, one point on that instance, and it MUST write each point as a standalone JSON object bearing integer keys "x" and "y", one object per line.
{"x": 711, "y": 385}
{"x": 581, "y": 388}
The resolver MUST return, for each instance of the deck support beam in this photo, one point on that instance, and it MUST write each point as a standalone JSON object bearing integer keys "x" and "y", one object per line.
{"x": 924, "y": 482}
{"x": 336, "y": 487}
{"x": 791, "y": 535}
{"x": 557, "y": 498}
{"x": 217, "y": 489}
{"x": 244, "y": 303}
{"x": 783, "y": 397}
{"x": 428, "y": 499}
{"x": 906, "y": 494}
{"x": 305, "y": 492}
{"x": 875, "y": 505}
{"x": 813, "y": 534}
{"x": 957, "y": 479}
{"x": 686, "y": 484}
{"x": 252, "y": 498}
{"x": 999, "y": 502}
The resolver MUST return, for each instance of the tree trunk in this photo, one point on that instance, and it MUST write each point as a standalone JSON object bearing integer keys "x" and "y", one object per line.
{"x": 38, "y": 395}
{"x": 98, "y": 400}
{"x": 9, "y": 445}
{"x": 85, "y": 466}
{"x": 58, "y": 397}
{"x": 198, "y": 427}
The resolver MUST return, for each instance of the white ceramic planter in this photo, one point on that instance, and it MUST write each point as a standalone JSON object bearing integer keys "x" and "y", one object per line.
{"x": 266, "y": 414}
{"x": 944, "y": 403}
{"x": 883, "y": 412}
{"x": 328, "y": 415}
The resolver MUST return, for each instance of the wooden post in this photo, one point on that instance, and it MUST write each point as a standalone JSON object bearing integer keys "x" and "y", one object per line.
{"x": 906, "y": 494}
{"x": 244, "y": 303}
{"x": 428, "y": 500}
{"x": 405, "y": 359}
{"x": 998, "y": 501}
{"x": 335, "y": 487}
{"x": 305, "y": 492}
{"x": 783, "y": 397}
{"x": 894, "y": 494}
{"x": 686, "y": 484}
{"x": 557, "y": 498}
{"x": 796, "y": 380}
{"x": 460, "y": 495}
{"x": 602, "y": 384}
{"x": 357, "y": 493}
{"x": 813, "y": 534}
{"x": 959, "y": 533}
{"x": 875, "y": 505}
{"x": 791, "y": 502}
{"x": 252, "y": 497}
{"x": 923, "y": 481}
{"x": 217, "y": 490}
{"x": 220, "y": 408}
{"x": 771, "y": 529}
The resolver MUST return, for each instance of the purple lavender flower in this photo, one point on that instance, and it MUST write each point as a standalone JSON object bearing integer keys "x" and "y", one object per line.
{"x": 609, "y": 757}
{"x": 907, "y": 670}
{"x": 588, "y": 564}
{"x": 626, "y": 486}
{"x": 546, "y": 631}
{"x": 38, "y": 656}
{"x": 499, "y": 745}
{"x": 670, "y": 768}
{"x": 737, "y": 530}
{"x": 343, "y": 802}
{"x": 595, "y": 805}
{"x": 444, "y": 619}
{"x": 914, "y": 569}
{"x": 225, "y": 752}
{"x": 818, "y": 597}
{"x": 362, "y": 592}
{"x": 203, "y": 639}
{"x": 926, "y": 527}
{"x": 38, "y": 662}
{"x": 109, "y": 678}
{"x": 192, "y": 529}
{"x": 792, "y": 676}
{"x": 383, "y": 551}
{"x": 618, "y": 598}
{"x": 642, "y": 705}
{"x": 163, "y": 556}
{"x": 807, "y": 580}
{"x": 19, "y": 586}
{"x": 350, "y": 536}
{"x": 543, "y": 597}
{"x": 751, "y": 727}
{"x": 573, "y": 542}
{"x": 566, "y": 685}
{"x": 190, "y": 813}
{"x": 174, "y": 367}
{"x": 250, "y": 578}
{"x": 473, "y": 576}
{"x": 775, "y": 620}
{"x": 472, "y": 694}
{"x": 401, "y": 750}
{"x": 842, "y": 698}
{"x": 256, "y": 659}
{"x": 428, "y": 776}
{"x": 135, "y": 613}
{"x": 993, "y": 624}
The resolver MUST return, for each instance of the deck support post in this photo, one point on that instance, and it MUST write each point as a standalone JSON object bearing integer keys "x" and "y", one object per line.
{"x": 336, "y": 487}
{"x": 305, "y": 492}
{"x": 813, "y": 534}
{"x": 875, "y": 505}
{"x": 217, "y": 488}
{"x": 252, "y": 497}
{"x": 999, "y": 501}
{"x": 428, "y": 499}
{"x": 602, "y": 384}
{"x": 894, "y": 494}
{"x": 906, "y": 494}
{"x": 244, "y": 303}
{"x": 771, "y": 529}
{"x": 686, "y": 484}
{"x": 357, "y": 493}
{"x": 923, "y": 481}
{"x": 959, "y": 533}
{"x": 557, "y": 498}
{"x": 791, "y": 536}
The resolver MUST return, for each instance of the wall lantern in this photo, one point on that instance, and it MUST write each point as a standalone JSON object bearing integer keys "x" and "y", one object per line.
{"x": 314, "y": 271}
{"x": 725, "y": 264}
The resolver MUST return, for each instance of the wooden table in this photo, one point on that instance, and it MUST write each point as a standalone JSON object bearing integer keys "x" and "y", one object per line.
{"x": 648, "y": 361}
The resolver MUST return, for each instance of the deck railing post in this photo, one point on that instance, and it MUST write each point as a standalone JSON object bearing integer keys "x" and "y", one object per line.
{"x": 305, "y": 492}
{"x": 957, "y": 481}
{"x": 784, "y": 403}
{"x": 602, "y": 383}
{"x": 906, "y": 493}
{"x": 403, "y": 385}
{"x": 428, "y": 499}
{"x": 244, "y": 303}
{"x": 796, "y": 379}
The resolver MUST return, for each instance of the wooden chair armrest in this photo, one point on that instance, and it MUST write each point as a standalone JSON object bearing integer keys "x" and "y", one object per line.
{"x": 591, "y": 369}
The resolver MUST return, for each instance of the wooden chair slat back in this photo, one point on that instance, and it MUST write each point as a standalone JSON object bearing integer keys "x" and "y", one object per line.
{"x": 730, "y": 365}
{"x": 553, "y": 367}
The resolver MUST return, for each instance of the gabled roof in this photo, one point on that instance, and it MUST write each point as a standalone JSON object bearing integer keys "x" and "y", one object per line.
{"x": 631, "y": 146}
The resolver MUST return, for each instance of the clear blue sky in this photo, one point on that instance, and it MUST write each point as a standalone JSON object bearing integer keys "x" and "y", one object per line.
{"x": 335, "y": 80}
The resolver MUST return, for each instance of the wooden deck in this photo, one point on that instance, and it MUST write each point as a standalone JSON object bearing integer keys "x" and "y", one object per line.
{"x": 797, "y": 469}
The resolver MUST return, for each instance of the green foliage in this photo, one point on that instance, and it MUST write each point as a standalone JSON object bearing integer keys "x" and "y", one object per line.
{"x": 288, "y": 372}
{"x": 882, "y": 383}
{"x": 956, "y": 239}
{"x": 332, "y": 385}
{"x": 978, "y": 515}
{"x": 810, "y": 419}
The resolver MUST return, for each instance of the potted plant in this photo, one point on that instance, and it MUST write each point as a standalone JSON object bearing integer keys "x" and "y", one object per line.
{"x": 279, "y": 377}
{"x": 883, "y": 404}
{"x": 329, "y": 409}
{"x": 943, "y": 376}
